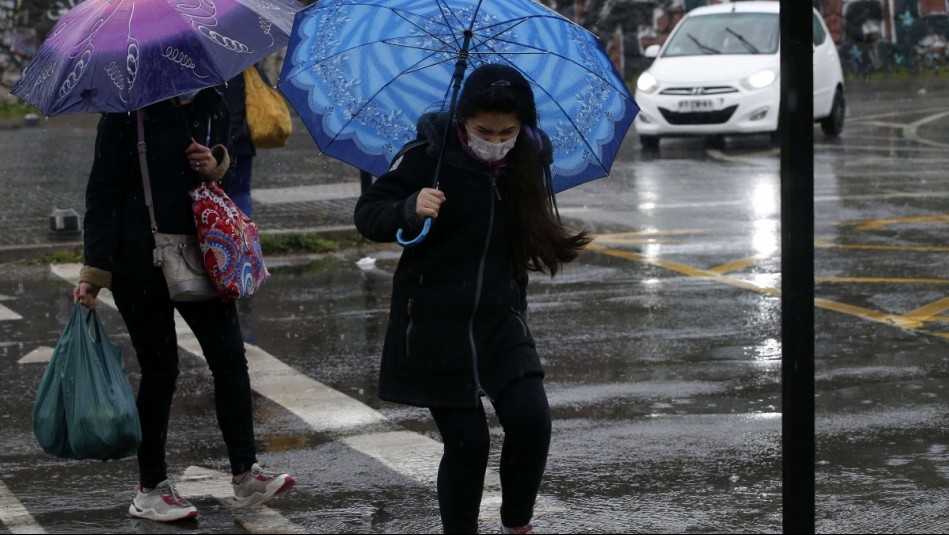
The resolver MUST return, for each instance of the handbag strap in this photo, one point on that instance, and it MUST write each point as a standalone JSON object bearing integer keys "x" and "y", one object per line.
{"x": 143, "y": 164}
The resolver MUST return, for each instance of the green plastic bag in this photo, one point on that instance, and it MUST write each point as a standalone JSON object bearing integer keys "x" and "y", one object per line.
{"x": 84, "y": 405}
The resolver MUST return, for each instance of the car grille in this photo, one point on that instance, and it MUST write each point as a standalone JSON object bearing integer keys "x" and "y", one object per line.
{"x": 698, "y": 91}
{"x": 698, "y": 117}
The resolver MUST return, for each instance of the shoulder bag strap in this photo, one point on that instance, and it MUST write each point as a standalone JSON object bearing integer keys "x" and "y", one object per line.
{"x": 143, "y": 164}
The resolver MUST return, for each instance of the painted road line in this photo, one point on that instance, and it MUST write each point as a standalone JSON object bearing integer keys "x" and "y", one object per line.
{"x": 8, "y": 315}
{"x": 929, "y": 312}
{"x": 14, "y": 516}
{"x": 742, "y": 263}
{"x": 417, "y": 456}
{"x": 873, "y": 224}
{"x": 198, "y": 481}
{"x": 39, "y": 355}
{"x": 898, "y": 320}
{"x": 911, "y": 131}
{"x": 828, "y": 244}
{"x": 322, "y": 192}
{"x": 686, "y": 270}
{"x": 325, "y": 409}
{"x": 882, "y": 280}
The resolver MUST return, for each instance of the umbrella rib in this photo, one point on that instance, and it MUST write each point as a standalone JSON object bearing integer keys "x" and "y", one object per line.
{"x": 412, "y": 70}
{"x": 390, "y": 41}
{"x": 497, "y": 37}
{"x": 586, "y": 142}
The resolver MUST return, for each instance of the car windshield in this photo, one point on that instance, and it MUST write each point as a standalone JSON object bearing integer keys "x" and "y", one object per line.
{"x": 725, "y": 33}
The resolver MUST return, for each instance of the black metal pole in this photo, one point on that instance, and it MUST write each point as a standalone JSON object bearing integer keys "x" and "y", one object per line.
{"x": 797, "y": 265}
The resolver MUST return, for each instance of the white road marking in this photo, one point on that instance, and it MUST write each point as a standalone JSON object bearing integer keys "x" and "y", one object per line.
{"x": 8, "y": 315}
{"x": 198, "y": 481}
{"x": 40, "y": 354}
{"x": 322, "y": 192}
{"x": 14, "y": 516}
{"x": 324, "y": 409}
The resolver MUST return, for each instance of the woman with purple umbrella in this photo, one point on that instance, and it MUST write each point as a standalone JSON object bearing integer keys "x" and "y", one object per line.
{"x": 184, "y": 139}
{"x": 458, "y": 327}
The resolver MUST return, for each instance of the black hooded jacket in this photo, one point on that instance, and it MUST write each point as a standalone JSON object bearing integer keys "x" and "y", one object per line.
{"x": 117, "y": 230}
{"x": 457, "y": 326}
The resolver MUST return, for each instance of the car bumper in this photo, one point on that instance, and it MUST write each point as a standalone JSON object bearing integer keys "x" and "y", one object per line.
{"x": 741, "y": 112}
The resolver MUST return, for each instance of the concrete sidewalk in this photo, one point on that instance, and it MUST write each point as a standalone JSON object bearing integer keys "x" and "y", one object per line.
{"x": 46, "y": 166}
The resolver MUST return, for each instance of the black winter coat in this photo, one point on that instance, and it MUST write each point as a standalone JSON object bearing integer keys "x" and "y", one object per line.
{"x": 457, "y": 326}
{"x": 117, "y": 229}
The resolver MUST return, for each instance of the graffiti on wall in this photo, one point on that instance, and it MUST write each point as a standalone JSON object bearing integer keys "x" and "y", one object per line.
{"x": 871, "y": 35}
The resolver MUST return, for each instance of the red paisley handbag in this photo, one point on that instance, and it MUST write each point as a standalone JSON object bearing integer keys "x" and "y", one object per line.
{"x": 230, "y": 243}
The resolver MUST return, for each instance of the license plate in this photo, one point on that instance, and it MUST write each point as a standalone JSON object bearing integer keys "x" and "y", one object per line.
{"x": 704, "y": 104}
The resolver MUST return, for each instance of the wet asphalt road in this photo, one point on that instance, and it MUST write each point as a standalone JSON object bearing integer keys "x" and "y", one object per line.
{"x": 661, "y": 344}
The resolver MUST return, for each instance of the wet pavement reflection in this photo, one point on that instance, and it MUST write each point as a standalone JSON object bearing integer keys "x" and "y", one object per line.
{"x": 662, "y": 346}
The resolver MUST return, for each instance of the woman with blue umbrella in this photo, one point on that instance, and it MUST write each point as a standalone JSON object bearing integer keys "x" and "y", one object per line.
{"x": 458, "y": 328}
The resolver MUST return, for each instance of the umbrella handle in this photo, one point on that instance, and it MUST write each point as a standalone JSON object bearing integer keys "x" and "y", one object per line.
{"x": 416, "y": 240}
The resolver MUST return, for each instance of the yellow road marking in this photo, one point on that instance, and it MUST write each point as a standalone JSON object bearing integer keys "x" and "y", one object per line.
{"x": 928, "y": 312}
{"x": 888, "y": 280}
{"x": 912, "y": 321}
{"x": 685, "y": 270}
{"x": 874, "y": 224}
{"x": 741, "y": 263}
{"x": 826, "y": 244}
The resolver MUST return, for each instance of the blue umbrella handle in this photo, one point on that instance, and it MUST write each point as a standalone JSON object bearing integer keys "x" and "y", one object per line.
{"x": 416, "y": 240}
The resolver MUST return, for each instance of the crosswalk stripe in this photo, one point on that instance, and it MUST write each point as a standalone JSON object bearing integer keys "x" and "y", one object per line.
{"x": 324, "y": 409}
{"x": 198, "y": 481}
{"x": 7, "y": 315}
{"x": 14, "y": 516}
{"x": 38, "y": 355}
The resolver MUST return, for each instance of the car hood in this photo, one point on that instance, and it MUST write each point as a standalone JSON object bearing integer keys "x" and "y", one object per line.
{"x": 711, "y": 69}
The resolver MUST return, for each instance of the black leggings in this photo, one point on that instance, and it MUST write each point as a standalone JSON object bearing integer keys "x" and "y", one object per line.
{"x": 525, "y": 417}
{"x": 149, "y": 317}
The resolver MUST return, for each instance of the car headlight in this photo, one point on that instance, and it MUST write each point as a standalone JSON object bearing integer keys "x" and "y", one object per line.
{"x": 760, "y": 79}
{"x": 647, "y": 83}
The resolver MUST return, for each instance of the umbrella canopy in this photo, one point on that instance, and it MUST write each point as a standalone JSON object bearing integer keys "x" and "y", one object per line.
{"x": 361, "y": 72}
{"x": 121, "y": 55}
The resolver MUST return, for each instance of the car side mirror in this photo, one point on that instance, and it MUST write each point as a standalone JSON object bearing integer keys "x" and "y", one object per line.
{"x": 651, "y": 51}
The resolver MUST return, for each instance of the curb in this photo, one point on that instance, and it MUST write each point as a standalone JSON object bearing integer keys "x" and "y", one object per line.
{"x": 18, "y": 253}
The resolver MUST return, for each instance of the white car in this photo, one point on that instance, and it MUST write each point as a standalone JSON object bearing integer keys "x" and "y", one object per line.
{"x": 718, "y": 74}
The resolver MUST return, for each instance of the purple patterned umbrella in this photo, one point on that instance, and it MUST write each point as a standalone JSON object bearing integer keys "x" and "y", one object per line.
{"x": 121, "y": 55}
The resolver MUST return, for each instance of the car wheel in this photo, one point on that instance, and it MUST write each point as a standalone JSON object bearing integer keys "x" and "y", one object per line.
{"x": 649, "y": 142}
{"x": 833, "y": 124}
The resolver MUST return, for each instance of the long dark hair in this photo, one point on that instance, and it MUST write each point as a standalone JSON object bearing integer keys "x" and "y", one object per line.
{"x": 539, "y": 240}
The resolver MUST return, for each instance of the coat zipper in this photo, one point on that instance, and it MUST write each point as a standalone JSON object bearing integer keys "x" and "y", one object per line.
{"x": 484, "y": 254}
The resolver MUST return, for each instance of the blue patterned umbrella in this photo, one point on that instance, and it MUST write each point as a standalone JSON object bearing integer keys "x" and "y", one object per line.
{"x": 361, "y": 72}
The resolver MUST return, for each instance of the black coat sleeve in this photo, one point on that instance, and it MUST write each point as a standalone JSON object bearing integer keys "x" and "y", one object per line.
{"x": 104, "y": 191}
{"x": 389, "y": 203}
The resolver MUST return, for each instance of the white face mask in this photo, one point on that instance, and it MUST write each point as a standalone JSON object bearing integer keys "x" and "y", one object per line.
{"x": 487, "y": 151}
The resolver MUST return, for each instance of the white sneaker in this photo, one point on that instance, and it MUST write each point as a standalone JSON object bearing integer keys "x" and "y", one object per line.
{"x": 259, "y": 486}
{"x": 527, "y": 528}
{"x": 162, "y": 504}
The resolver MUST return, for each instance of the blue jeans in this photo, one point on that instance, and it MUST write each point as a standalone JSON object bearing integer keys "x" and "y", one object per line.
{"x": 237, "y": 186}
{"x": 148, "y": 313}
